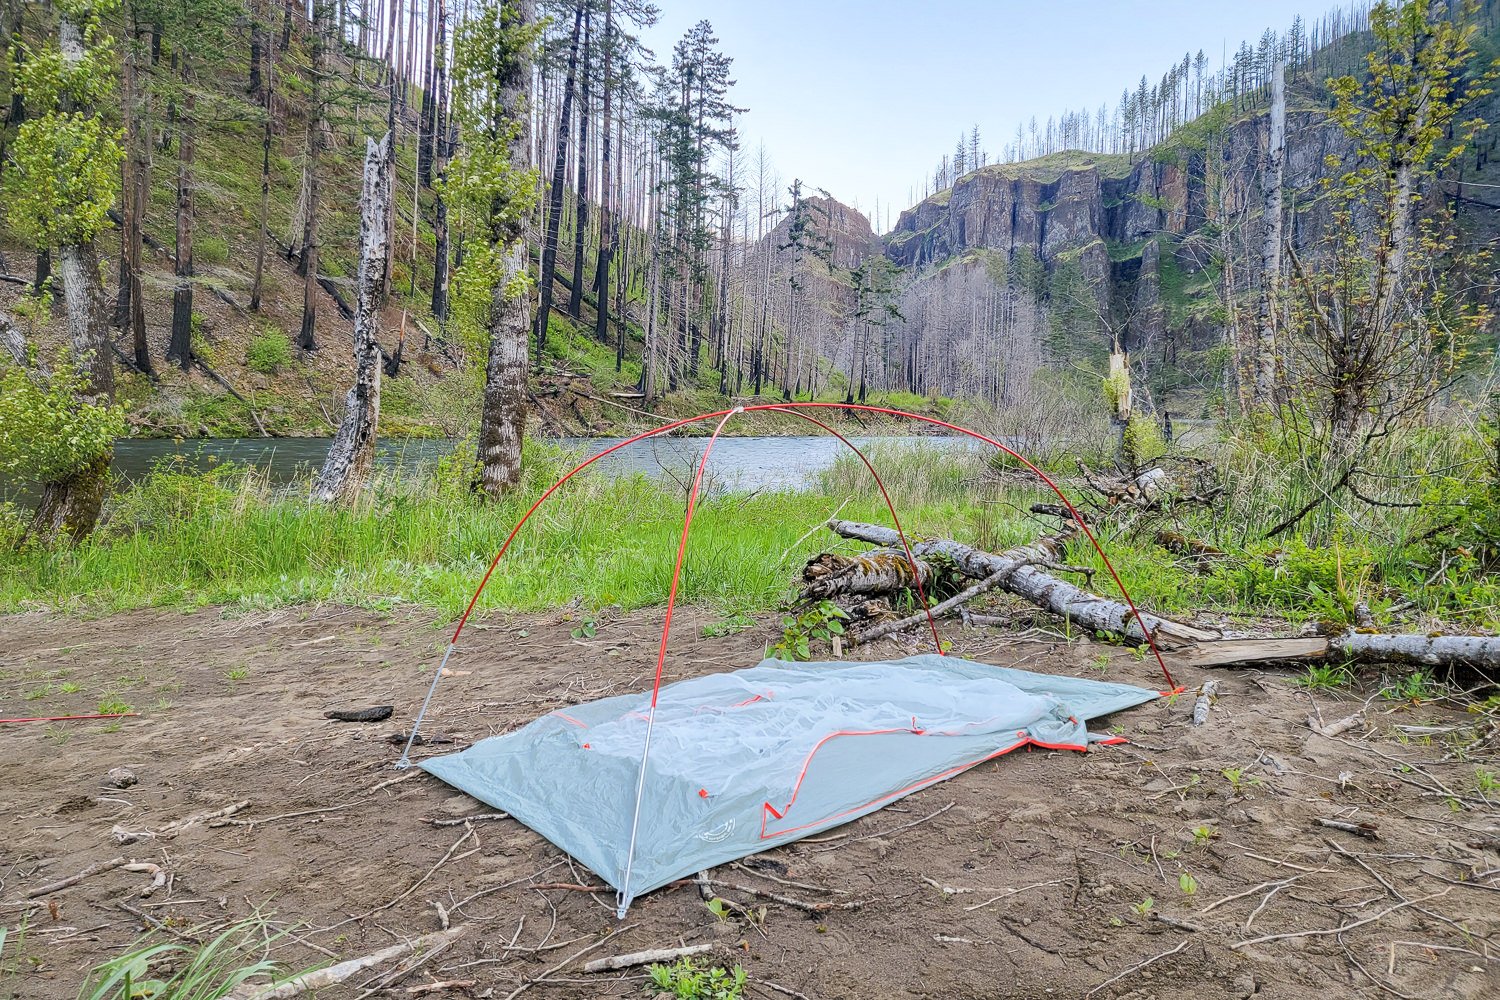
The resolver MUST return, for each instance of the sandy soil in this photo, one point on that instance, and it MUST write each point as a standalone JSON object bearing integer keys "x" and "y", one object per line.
{"x": 1025, "y": 877}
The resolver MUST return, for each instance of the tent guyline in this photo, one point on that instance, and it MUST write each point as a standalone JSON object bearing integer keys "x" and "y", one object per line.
{"x": 723, "y": 417}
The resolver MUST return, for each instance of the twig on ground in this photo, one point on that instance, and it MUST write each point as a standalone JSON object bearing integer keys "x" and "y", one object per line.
{"x": 476, "y": 818}
{"x": 91, "y": 870}
{"x": 1365, "y": 830}
{"x": 645, "y": 957}
{"x": 785, "y": 881}
{"x": 388, "y": 782}
{"x": 1136, "y": 968}
{"x": 335, "y": 974}
{"x": 1342, "y": 928}
{"x": 1275, "y": 883}
{"x": 1011, "y": 892}
{"x": 271, "y": 819}
{"x": 527, "y": 984}
{"x": 795, "y": 904}
{"x": 1206, "y": 695}
{"x": 897, "y": 829}
{"x": 447, "y": 984}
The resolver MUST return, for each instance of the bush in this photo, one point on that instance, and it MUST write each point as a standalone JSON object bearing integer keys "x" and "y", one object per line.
{"x": 46, "y": 431}
{"x": 211, "y": 249}
{"x": 269, "y": 352}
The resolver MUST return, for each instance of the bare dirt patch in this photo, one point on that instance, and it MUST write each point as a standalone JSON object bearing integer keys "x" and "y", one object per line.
{"x": 1035, "y": 882}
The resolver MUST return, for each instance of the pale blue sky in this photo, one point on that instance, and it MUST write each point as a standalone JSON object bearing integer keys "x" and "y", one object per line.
{"x": 863, "y": 98}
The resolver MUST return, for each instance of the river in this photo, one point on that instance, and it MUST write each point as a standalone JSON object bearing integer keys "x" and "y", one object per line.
{"x": 738, "y": 463}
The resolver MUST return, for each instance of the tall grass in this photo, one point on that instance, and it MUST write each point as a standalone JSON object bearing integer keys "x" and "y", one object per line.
{"x": 184, "y": 539}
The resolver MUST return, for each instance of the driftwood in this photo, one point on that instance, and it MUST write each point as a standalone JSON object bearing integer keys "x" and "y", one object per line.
{"x": 645, "y": 957}
{"x": 1474, "y": 652}
{"x": 1206, "y": 695}
{"x": 335, "y": 974}
{"x": 1022, "y": 573}
{"x": 874, "y": 573}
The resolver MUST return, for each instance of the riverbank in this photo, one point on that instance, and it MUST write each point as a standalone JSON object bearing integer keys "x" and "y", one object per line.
{"x": 1041, "y": 873}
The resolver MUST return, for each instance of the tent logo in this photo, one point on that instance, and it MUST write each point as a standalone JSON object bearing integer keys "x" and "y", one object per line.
{"x": 718, "y": 834}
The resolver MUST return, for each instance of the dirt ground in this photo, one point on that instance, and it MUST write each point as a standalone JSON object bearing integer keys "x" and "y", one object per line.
{"x": 1040, "y": 874}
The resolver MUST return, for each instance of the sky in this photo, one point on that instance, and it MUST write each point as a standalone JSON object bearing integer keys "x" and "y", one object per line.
{"x": 863, "y": 97}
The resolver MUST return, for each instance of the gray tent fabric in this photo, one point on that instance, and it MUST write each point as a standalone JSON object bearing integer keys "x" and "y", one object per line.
{"x": 740, "y": 762}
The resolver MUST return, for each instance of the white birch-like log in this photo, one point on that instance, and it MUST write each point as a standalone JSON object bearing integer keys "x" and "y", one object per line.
{"x": 352, "y": 452}
{"x": 1021, "y": 573}
{"x": 1272, "y": 167}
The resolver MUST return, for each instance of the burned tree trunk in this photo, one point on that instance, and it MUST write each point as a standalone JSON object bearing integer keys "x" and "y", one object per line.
{"x": 1021, "y": 573}
{"x": 1270, "y": 254}
{"x": 353, "y": 449}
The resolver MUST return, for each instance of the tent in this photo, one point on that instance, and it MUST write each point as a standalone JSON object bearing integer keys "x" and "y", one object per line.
{"x": 763, "y": 756}
{"x": 741, "y": 762}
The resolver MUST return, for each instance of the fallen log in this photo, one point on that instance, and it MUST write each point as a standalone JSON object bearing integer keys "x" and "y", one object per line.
{"x": 1021, "y": 573}
{"x": 873, "y": 573}
{"x": 1473, "y": 652}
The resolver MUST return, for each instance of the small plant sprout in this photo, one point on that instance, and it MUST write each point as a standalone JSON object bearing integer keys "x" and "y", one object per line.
{"x": 1326, "y": 675}
{"x": 586, "y": 629}
{"x": 237, "y": 673}
{"x": 1203, "y": 835}
{"x": 821, "y": 622}
{"x": 114, "y": 706}
{"x": 1486, "y": 780}
{"x": 1238, "y": 779}
{"x": 1101, "y": 662}
{"x": 1187, "y": 884}
{"x": 1143, "y": 907}
{"x": 685, "y": 980}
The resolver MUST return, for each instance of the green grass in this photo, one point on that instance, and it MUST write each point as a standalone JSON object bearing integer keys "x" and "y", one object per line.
{"x": 181, "y": 540}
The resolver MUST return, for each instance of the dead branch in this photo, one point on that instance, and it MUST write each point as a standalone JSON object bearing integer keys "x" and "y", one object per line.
{"x": 886, "y": 628}
{"x": 1136, "y": 968}
{"x": 1366, "y": 830}
{"x": 1206, "y": 695}
{"x": 1020, "y": 573}
{"x": 335, "y": 974}
{"x": 1342, "y": 928}
{"x": 645, "y": 957}
{"x": 1448, "y": 652}
{"x": 796, "y": 904}
{"x": 91, "y": 870}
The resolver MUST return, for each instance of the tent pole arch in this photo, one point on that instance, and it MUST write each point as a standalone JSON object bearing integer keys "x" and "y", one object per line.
{"x": 792, "y": 408}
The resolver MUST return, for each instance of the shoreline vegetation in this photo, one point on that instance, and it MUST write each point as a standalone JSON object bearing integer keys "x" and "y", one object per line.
{"x": 227, "y": 537}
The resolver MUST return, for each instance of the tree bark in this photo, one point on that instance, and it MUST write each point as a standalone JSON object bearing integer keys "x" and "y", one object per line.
{"x": 1473, "y": 652}
{"x": 581, "y": 220}
{"x": 307, "y": 337}
{"x": 1021, "y": 575}
{"x": 555, "y": 198}
{"x": 502, "y": 422}
{"x": 267, "y": 136}
{"x": 130, "y": 310}
{"x": 440, "y": 166}
{"x": 347, "y": 467}
{"x": 180, "y": 348}
{"x": 1270, "y": 255}
{"x": 607, "y": 237}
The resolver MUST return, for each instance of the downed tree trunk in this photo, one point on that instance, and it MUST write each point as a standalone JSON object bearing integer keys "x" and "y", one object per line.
{"x": 1475, "y": 652}
{"x": 1019, "y": 573}
{"x": 872, "y": 573}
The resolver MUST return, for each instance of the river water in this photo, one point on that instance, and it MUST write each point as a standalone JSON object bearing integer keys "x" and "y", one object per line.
{"x": 737, "y": 463}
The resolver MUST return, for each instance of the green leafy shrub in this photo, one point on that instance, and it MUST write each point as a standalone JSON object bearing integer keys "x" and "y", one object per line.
{"x": 47, "y": 430}
{"x": 819, "y": 623}
{"x": 211, "y": 249}
{"x": 685, "y": 980}
{"x": 269, "y": 352}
